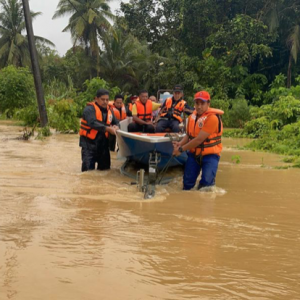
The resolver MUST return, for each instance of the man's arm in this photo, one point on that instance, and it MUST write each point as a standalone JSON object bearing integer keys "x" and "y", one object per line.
{"x": 188, "y": 109}
{"x": 155, "y": 106}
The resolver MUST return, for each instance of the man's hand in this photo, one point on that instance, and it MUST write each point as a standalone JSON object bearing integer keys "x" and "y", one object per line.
{"x": 112, "y": 130}
{"x": 176, "y": 146}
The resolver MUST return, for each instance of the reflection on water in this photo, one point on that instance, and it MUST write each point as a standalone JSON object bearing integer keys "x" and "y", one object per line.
{"x": 71, "y": 235}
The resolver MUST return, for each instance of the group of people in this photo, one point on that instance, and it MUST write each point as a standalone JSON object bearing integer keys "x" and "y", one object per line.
{"x": 100, "y": 120}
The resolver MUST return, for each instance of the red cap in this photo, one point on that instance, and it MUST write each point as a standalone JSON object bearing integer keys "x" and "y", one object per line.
{"x": 133, "y": 97}
{"x": 202, "y": 95}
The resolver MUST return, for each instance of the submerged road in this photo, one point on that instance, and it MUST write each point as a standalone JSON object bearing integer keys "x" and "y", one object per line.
{"x": 73, "y": 236}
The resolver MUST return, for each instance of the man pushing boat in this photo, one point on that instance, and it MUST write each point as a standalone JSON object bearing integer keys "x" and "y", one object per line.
{"x": 203, "y": 142}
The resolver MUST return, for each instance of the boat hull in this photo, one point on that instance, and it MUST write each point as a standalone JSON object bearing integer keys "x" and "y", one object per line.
{"x": 138, "y": 146}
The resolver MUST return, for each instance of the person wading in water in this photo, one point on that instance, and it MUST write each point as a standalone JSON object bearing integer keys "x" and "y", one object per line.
{"x": 203, "y": 140}
{"x": 97, "y": 122}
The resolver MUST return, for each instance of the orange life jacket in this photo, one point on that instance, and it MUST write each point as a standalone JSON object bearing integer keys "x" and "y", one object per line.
{"x": 176, "y": 110}
{"x": 213, "y": 144}
{"x": 130, "y": 106}
{"x": 144, "y": 112}
{"x": 86, "y": 130}
{"x": 111, "y": 103}
{"x": 120, "y": 116}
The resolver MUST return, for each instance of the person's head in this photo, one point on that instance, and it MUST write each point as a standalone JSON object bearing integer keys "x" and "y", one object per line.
{"x": 143, "y": 95}
{"x": 177, "y": 92}
{"x": 102, "y": 97}
{"x": 153, "y": 98}
{"x": 118, "y": 102}
{"x": 202, "y": 102}
{"x": 133, "y": 99}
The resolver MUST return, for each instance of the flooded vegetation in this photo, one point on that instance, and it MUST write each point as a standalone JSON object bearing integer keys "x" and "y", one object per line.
{"x": 71, "y": 235}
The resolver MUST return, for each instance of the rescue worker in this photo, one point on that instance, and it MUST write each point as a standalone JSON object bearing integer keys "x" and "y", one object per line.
{"x": 119, "y": 108}
{"x": 142, "y": 114}
{"x": 133, "y": 99}
{"x": 97, "y": 122}
{"x": 120, "y": 113}
{"x": 203, "y": 140}
{"x": 172, "y": 110}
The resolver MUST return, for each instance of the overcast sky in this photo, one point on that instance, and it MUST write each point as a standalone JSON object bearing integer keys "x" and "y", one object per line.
{"x": 52, "y": 29}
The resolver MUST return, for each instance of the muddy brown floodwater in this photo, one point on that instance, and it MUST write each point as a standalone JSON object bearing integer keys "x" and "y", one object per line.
{"x": 71, "y": 235}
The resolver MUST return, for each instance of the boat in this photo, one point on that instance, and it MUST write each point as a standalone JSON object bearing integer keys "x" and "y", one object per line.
{"x": 142, "y": 147}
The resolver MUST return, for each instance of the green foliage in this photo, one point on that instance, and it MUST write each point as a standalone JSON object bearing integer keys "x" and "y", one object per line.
{"x": 239, "y": 114}
{"x": 89, "y": 18}
{"x": 16, "y": 89}
{"x": 236, "y": 159}
{"x": 243, "y": 39}
{"x": 60, "y": 89}
{"x": 43, "y": 132}
{"x": 29, "y": 115}
{"x": 257, "y": 127}
{"x": 14, "y": 48}
{"x": 62, "y": 115}
{"x": 91, "y": 88}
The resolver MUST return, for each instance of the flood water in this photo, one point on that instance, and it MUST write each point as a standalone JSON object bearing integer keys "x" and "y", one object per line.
{"x": 71, "y": 235}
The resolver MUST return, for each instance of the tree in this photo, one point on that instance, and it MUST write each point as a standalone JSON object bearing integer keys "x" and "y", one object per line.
{"x": 89, "y": 20}
{"x": 282, "y": 17}
{"x": 156, "y": 22}
{"x": 13, "y": 44}
{"x": 126, "y": 62}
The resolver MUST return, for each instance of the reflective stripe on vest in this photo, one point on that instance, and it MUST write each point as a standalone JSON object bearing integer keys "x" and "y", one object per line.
{"x": 176, "y": 110}
{"x": 120, "y": 116}
{"x": 213, "y": 144}
{"x": 86, "y": 130}
{"x": 144, "y": 111}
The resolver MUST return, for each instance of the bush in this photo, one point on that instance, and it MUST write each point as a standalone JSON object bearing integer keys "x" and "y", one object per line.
{"x": 92, "y": 86}
{"x": 29, "y": 115}
{"x": 257, "y": 127}
{"x": 239, "y": 114}
{"x": 62, "y": 115}
{"x": 16, "y": 89}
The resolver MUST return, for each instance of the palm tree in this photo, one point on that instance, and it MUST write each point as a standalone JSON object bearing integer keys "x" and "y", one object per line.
{"x": 89, "y": 20}
{"x": 283, "y": 16}
{"x": 125, "y": 61}
{"x": 13, "y": 44}
{"x": 294, "y": 44}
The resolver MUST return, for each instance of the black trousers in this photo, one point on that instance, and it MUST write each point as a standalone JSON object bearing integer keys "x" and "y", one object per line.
{"x": 112, "y": 142}
{"x": 135, "y": 127}
{"x": 162, "y": 125}
{"x": 91, "y": 154}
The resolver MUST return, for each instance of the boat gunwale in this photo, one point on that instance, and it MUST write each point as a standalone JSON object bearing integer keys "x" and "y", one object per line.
{"x": 150, "y": 138}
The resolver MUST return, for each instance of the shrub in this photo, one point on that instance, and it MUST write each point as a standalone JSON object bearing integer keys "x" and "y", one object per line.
{"x": 257, "y": 127}
{"x": 29, "y": 115}
{"x": 16, "y": 89}
{"x": 63, "y": 115}
{"x": 92, "y": 86}
{"x": 239, "y": 114}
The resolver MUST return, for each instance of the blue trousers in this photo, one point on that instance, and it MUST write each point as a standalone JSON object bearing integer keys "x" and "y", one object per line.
{"x": 209, "y": 167}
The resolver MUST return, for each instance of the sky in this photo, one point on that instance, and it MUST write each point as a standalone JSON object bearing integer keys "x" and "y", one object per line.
{"x": 52, "y": 29}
